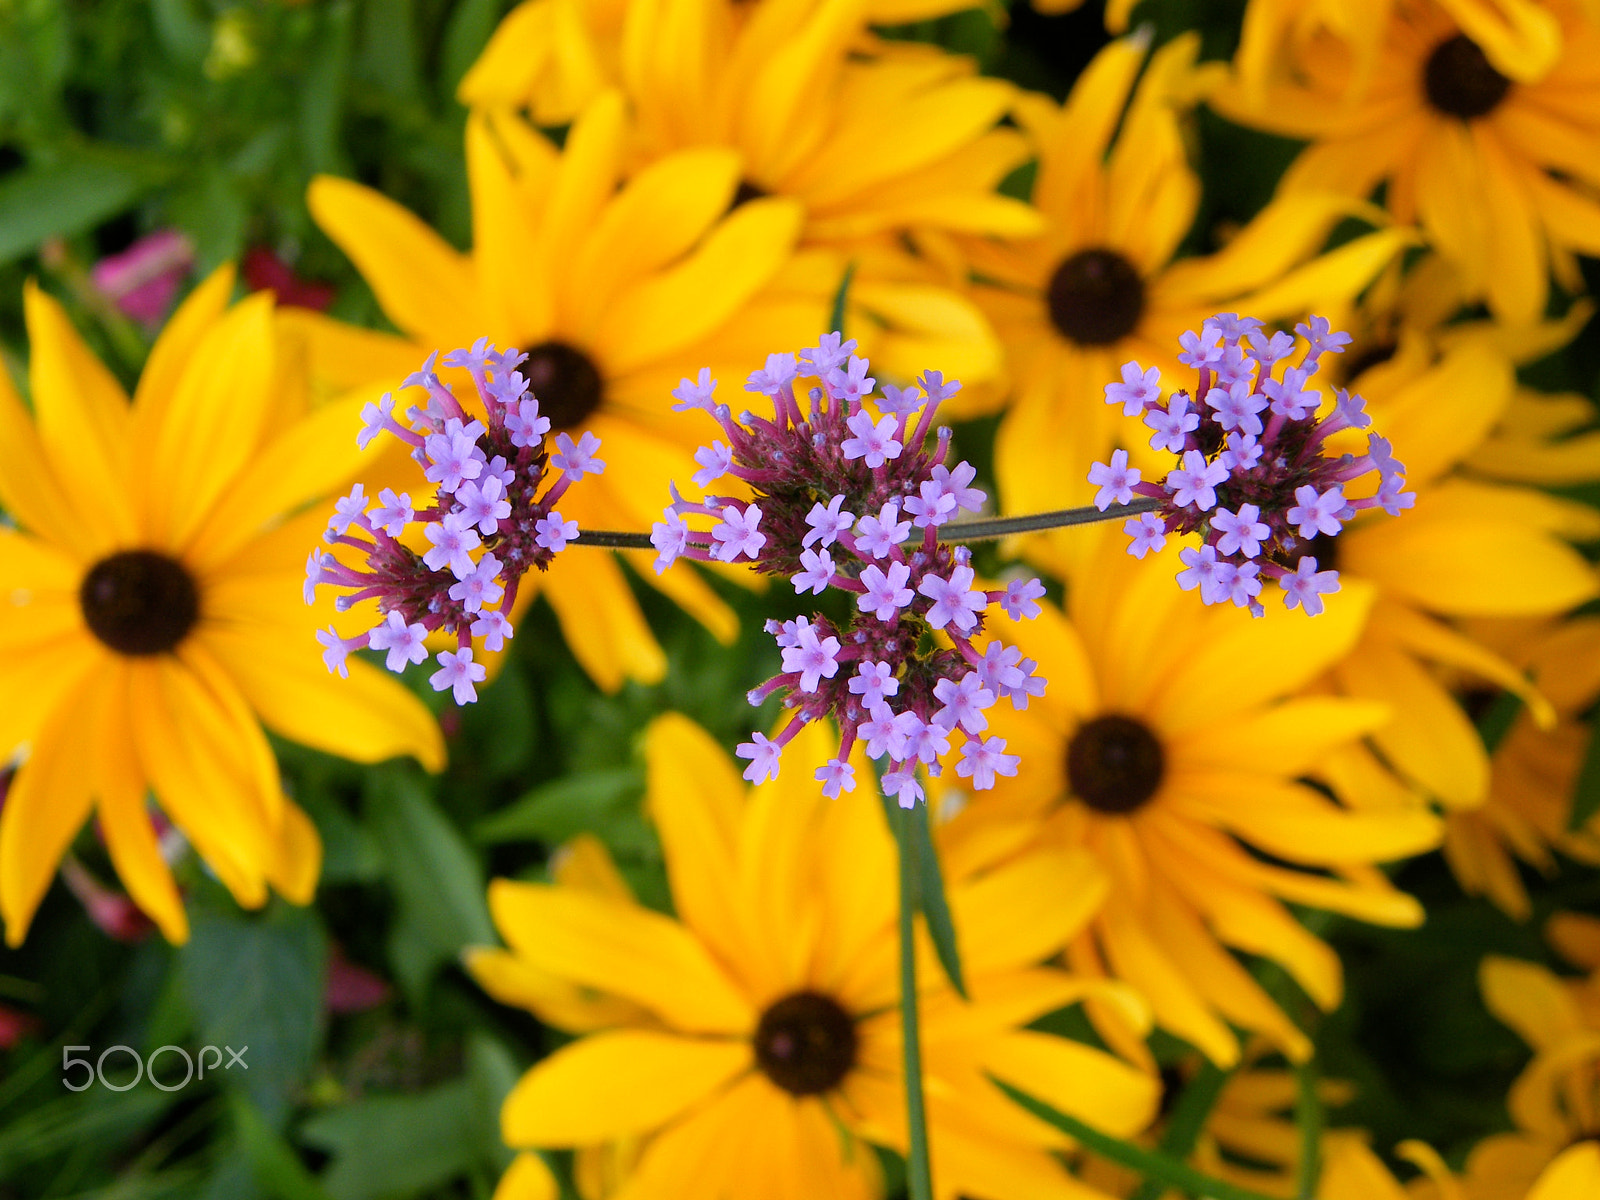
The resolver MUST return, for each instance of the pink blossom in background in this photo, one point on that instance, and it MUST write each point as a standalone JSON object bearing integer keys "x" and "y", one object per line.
{"x": 351, "y": 987}
{"x": 14, "y": 1026}
{"x": 265, "y": 271}
{"x": 143, "y": 279}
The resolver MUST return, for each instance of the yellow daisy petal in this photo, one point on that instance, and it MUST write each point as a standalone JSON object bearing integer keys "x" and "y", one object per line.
{"x": 1574, "y": 1175}
{"x": 527, "y": 1178}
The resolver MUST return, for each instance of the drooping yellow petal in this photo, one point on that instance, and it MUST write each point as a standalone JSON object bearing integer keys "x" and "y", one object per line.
{"x": 49, "y": 800}
{"x": 1530, "y": 999}
{"x": 1077, "y": 1079}
{"x": 1063, "y": 890}
{"x": 169, "y": 357}
{"x": 425, "y": 287}
{"x": 614, "y": 1084}
{"x": 623, "y": 949}
{"x": 294, "y": 860}
{"x": 1574, "y": 1175}
{"x": 527, "y": 1178}
{"x": 556, "y": 1001}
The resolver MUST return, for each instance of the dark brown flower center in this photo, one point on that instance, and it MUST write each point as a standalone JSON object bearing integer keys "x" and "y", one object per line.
{"x": 1460, "y": 82}
{"x": 1095, "y": 297}
{"x": 747, "y": 192}
{"x": 565, "y": 381}
{"x": 1114, "y": 764}
{"x": 139, "y": 602}
{"x": 806, "y": 1043}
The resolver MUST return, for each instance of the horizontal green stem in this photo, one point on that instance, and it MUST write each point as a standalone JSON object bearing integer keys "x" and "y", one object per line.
{"x": 1152, "y": 1164}
{"x": 957, "y": 531}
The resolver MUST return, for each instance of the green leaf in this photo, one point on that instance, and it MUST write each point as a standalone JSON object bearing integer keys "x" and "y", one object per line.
{"x": 257, "y": 983}
{"x": 65, "y": 198}
{"x": 98, "y": 1116}
{"x": 1497, "y": 721}
{"x": 322, "y": 96}
{"x": 396, "y": 1145}
{"x": 464, "y": 39}
{"x": 933, "y": 903}
{"x": 557, "y": 811}
{"x": 493, "y": 1072}
{"x": 277, "y": 1168}
{"x": 840, "y": 300}
{"x": 434, "y": 873}
{"x": 1586, "y": 789}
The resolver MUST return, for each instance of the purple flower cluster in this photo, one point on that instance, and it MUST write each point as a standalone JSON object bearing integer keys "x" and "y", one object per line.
{"x": 835, "y": 493}
{"x": 1255, "y": 477}
{"x": 484, "y": 527}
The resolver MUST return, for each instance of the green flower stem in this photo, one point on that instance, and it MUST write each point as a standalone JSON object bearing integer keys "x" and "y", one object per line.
{"x": 1188, "y": 1119}
{"x": 1152, "y": 1164}
{"x": 956, "y": 531}
{"x": 919, "y": 1173}
{"x": 1308, "y": 1118}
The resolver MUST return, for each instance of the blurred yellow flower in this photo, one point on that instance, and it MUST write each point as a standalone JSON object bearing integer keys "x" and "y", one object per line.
{"x": 754, "y": 1041}
{"x": 614, "y": 294}
{"x": 1553, "y": 1154}
{"x": 1100, "y": 287}
{"x": 1170, "y": 745}
{"x": 1483, "y": 127}
{"x": 157, "y": 618}
{"x": 1532, "y": 775}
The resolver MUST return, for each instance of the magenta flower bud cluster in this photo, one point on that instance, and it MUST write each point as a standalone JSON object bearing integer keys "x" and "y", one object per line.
{"x": 852, "y": 497}
{"x": 1255, "y": 478}
{"x": 484, "y": 527}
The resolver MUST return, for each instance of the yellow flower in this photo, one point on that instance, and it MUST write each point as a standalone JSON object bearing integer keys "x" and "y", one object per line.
{"x": 1532, "y": 776}
{"x": 754, "y": 1040}
{"x": 1485, "y": 131}
{"x": 1554, "y": 1153}
{"x": 613, "y": 294}
{"x": 155, "y": 587}
{"x": 874, "y": 139}
{"x": 1100, "y": 287}
{"x": 1165, "y": 745}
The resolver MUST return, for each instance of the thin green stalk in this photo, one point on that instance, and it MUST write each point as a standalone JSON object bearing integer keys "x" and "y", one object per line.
{"x": 1308, "y": 1119}
{"x": 1188, "y": 1119}
{"x": 956, "y": 531}
{"x": 919, "y": 1173}
{"x": 1152, "y": 1164}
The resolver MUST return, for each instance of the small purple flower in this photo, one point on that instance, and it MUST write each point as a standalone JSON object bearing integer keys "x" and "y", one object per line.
{"x": 1237, "y": 407}
{"x": 454, "y": 457}
{"x": 831, "y": 351}
{"x": 1201, "y": 571}
{"x": 1323, "y": 338}
{"x": 814, "y": 659}
{"x": 1115, "y": 481}
{"x": 1019, "y": 599}
{"x": 1241, "y": 532}
{"x": 375, "y": 418}
{"x": 393, "y": 513}
{"x": 1233, "y": 367}
{"x": 1316, "y": 513}
{"x": 903, "y": 786}
{"x": 524, "y": 424}
{"x": 458, "y": 672}
{"x": 999, "y": 670}
{"x": 875, "y": 443}
{"x": 874, "y": 682}
{"x": 1199, "y": 352}
{"x": 926, "y": 741}
{"x": 472, "y": 591}
{"x": 878, "y": 536}
{"x": 1351, "y": 410}
{"x": 1244, "y": 585}
{"x": 1242, "y": 452}
{"x": 576, "y": 461}
{"x": 669, "y": 536}
{"x": 826, "y": 524}
{"x": 335, "y": 650}
{"x": 818, "y": 574}
{"x": 983, "y": 761}
{"x": 1172, "y": 424}
{"x": 1306, "y": 585}
{"x": 1230, "y": 326}
{"x": 1381, "y": 453}
{"x": 1031, "y": 685}
{"x": 886, "y": 594}
{"x": 453, "y": 543}
{"x": 900, "y": 402}
{"x": 963, "y": 702}
{"x": 775, "y": 377}
{"x": 484, "y": 505}
{"x": 695, "y": 395}
{"x": 853, "y": 383}
{"x": 714, "y": 461}
{"x": 553, "y": 533}
{"x": 957, "y": 482}
{"x": 763, "y": 755}
{"x": 737, "y": 533}
{"x": 1196, "y": 481}
{"x": 954, "y": 601}
{"x": 493, "y": 627}
{"x": 838, "y": 776}
{"x": 1392, "y": 496}
{"x": 1148, "y": 532}
{"x": 932, "y": 506}
{"x": 1291, "y": 398}
{"x": 402, "y": 641}
{"x": 347, "y": 509}
{"x": 938, "y": 390}
{"x": 1269, "y": 352}
{"x": 1137, "y": 390}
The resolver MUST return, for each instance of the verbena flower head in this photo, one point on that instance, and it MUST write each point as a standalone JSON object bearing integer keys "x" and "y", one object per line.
{"x": 1255, "y": 476}
{"x": 835, "y": 491}
{"x": 485, "y": 527}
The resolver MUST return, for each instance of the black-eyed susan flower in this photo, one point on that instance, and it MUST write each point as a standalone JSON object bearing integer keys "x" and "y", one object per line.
{"x": 1554, "y": 1151}
{"x": 1533, "y": 772}
{"x": 1483, "y": 128}
{"x": 1171, "y": 745}
{"x": 1101, "y": 286}
{"x": 612, "y": 294}
{"x": 879, "y": 675}
{"x": 156, "y": 618}
{"x": 752, "y": 1043}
